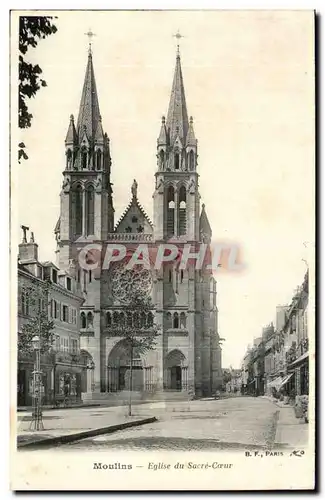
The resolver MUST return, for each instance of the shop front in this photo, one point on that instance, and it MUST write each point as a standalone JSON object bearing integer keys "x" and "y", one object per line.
{"x": 25, "y": 378}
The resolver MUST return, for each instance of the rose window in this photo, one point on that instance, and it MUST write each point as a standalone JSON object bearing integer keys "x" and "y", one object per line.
{"x": 135, "y": 281}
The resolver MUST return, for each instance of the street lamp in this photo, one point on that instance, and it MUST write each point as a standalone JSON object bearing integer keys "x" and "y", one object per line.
{"x": 37, "y": 418}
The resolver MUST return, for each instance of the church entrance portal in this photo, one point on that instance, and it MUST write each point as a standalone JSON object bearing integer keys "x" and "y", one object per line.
{"x": 175, "y": 371}
{"x": 119, "y": 373}
{"x": 176, "y": 378}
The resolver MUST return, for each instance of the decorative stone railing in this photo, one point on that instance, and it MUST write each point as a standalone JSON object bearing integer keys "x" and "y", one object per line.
{"x": 129, "y": 237}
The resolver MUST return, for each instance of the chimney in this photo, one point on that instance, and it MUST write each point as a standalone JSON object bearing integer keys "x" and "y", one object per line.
{"x": 28, "y": 252}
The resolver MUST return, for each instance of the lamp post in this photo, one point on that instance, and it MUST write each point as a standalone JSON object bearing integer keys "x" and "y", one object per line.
{"x": 37, "y": 418}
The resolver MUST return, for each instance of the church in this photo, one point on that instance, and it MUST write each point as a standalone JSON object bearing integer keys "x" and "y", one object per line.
{"x": 186, "y": 360}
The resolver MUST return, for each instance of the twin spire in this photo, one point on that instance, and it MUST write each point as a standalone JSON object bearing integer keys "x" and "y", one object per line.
{"x": 89, "y": 118}
{"x": 177, "y": 123}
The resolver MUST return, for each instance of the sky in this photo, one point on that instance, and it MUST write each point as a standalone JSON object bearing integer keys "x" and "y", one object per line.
{"x": 249, "y": 83}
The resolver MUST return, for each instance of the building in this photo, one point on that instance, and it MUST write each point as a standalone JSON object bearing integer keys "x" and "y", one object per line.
{"x": 188, "y": 354}
{"x": 279, "y": 360}
{"x": 63, "y": 366}
{"x": 234, "y": 385}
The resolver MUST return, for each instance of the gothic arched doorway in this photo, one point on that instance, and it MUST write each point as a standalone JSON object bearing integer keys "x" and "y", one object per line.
{"x": 175, "y": 371}
{"x": 118, "y": 369}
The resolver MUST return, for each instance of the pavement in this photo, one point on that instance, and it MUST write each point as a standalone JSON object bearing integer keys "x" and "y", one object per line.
{"x": 235, "y": 423}
{"x": 240, "y": 423}
{"x": 62, "y": 426}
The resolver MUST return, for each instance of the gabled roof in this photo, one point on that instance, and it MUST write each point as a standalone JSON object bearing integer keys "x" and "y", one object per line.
{"x": 134, "y": 203}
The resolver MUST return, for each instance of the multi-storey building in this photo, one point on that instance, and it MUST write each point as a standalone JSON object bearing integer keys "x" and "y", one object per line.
{"x": 187, "y": 356}
{"x": 63, "y": 368}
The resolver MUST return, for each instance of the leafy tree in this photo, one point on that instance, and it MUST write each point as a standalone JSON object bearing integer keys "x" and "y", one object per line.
{"x": 139, "y": 331}
{"x": 31, "y": 30}
{"x": 36, "y": 299}
{"x": 226, "y": 376}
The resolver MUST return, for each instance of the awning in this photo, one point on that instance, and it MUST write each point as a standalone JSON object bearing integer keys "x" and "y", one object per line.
{"x": 286, "y": 379}
{"x": 275, "y": 383}
{"x": 300, "y": 359}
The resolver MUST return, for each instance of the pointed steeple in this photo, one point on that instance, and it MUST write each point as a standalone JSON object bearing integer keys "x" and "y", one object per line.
{"x": 89, "y": 113}
{"x": 162, "y": 139}
{"x": 177, "y": 111}
{"x": 190, "y": 138}
{"x": 71, "y": 134}
{"x": 205, "y": 228}
{"x": 99, "y": 136}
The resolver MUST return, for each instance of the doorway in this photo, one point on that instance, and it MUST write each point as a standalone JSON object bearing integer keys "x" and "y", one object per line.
{"x": 176, "y": 378}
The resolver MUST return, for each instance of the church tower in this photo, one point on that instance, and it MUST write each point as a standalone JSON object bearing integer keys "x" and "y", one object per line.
{"x": 86, "y": 211}
{"x": 177, "y": 220}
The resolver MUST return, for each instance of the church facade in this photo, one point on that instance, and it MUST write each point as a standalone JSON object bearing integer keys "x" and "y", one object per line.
{"x": 187, "y": 355}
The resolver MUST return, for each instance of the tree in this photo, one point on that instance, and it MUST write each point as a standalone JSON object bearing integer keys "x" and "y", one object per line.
{"x": 31, "y": 30}
{"x": 36, "y": 300}
{"x": 226, "y": 377}
{"x": 138, "y": 331}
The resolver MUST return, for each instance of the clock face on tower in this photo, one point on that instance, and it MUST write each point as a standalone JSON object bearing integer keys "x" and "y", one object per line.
{"x": 125, "y": 282}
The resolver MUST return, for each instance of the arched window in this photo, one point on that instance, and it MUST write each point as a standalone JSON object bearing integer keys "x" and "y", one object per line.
{"x": 90, "y": 210}
{"x": 182, "y": 211}
{"x": 84, "y": 158}
{"x": 83, "y": 322}
{"x": 108, "y": 319}
{"x": 170, "y": 211}
{"x": 176, "y": 321}
{"x": 116, "y": 318}
{"x": 99, "y": 159}
{"x": 182, "y": 320}
{"x": 89, "y": 320}
{"x": 69, "y": 158}
{"x": 136, "y": 321}
{"x": 168, "y": 320}
{"x": 176, "y": 161}
{"x": 162, "y": 159}
{"x": 182, "y": 276}
{"x": 143, "y": 320}
{"x": 129, "y": 319}
{"x": 191, "y": 159}
{"x": 150, "y": 319}
{"x": 77, "y": 209}
{"x": 122, "y": 319}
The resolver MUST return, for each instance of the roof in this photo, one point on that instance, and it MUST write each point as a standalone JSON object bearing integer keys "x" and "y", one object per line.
{"x": 134, "y": 203}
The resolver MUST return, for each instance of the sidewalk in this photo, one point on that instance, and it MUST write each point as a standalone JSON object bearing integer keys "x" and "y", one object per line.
{"x": 62, "y": 426}
{"x": 291, "y": 431}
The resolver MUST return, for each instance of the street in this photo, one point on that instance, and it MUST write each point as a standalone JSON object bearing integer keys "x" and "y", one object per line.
{"x": 234, "y": 423}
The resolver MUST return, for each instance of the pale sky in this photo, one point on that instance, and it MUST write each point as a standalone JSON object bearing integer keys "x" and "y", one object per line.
{"x": 249, "y": 83}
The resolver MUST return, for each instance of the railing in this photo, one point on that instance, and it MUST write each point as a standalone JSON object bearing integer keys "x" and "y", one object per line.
{"x": 130, "y": 237}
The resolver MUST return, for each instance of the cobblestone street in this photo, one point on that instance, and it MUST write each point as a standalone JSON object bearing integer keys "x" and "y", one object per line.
{"x": 235, "y": 423}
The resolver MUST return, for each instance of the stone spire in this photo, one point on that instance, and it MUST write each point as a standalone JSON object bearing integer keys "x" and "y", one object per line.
{"x": 162, "y": 139}
{"x": 205, "y": 228}
{"x": 71, "y": 134}
{"x": 177, "y": 118}
{"x": 89, "y": 114}
{"x": 190, "y": 138}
